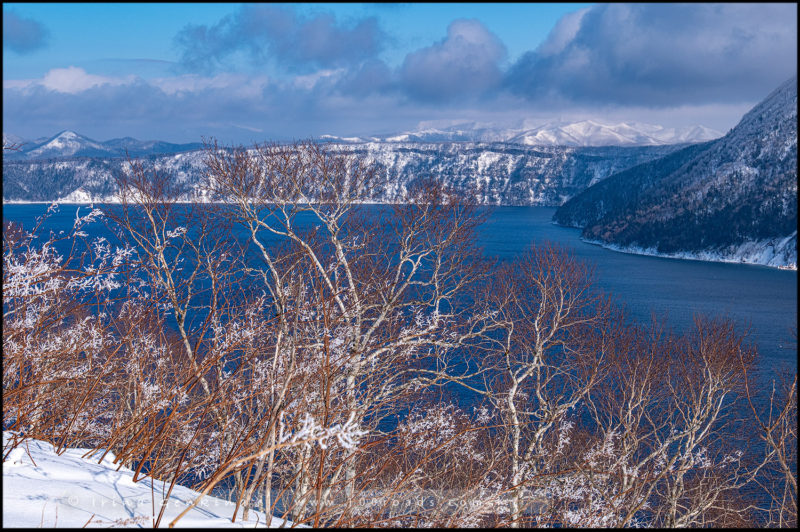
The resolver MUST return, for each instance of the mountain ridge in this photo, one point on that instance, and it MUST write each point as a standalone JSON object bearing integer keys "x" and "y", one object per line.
{"x": 496, "y": 173}
{"x": 584, "y": 133}
{"x": 68, "y": 144}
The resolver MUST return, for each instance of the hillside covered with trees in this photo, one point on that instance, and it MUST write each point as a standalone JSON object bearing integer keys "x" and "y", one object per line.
{"x": 735, "y": 197}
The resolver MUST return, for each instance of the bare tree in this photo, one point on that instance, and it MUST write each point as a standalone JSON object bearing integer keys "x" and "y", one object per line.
{"x": 777, "y": 429}
{"x": 666, "y": 417}
{"x": 547, "y": 357}
{"x": 386, "y": 283}
{"x": 57, "y": 343}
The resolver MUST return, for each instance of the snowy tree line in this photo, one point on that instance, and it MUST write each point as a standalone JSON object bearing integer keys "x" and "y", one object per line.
{"x": 319, "y": 371}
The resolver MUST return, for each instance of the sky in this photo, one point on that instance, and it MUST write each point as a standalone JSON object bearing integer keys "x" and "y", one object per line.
{"x": 243, "y": 73}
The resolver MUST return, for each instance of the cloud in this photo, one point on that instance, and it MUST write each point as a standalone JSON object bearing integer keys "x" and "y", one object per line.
{"x": 242, "y": 108}
{"x": 562, "y": 33}
{"x": 238, "y": 85}
{"x": 187, "y": 108}
{"x": 370, "y": 77}
{"x": 69, "y": 80}
{"x": 232, "y": 107}
{"x": 661, "y": 55}
{"x": 673, "y": 65}
{"x": 73, "y": 79}
{"x": 266, "y": 32}
{"x": 22, "y": 35}
{"x": 465, "y": 63}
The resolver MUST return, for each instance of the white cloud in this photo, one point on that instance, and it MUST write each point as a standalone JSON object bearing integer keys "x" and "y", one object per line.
{"x": 661, "y": 55}
{"x": 309, "y": 81}
{"x": 465, "y": 63}
{"x": 74, "y": 79}
{"x": 562, "y": 33}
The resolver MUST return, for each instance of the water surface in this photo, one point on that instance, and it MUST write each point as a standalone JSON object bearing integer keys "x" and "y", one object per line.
{"x": 762, "y": 299}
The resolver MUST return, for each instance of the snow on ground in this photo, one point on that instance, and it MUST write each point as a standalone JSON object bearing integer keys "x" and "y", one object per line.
{"x": 71, "y": 491}
{"x": 776, "y": 252}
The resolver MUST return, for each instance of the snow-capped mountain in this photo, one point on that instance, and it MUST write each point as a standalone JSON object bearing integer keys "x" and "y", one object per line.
{"x": 71, "y": 144}
{"x": 593, "y": 133}
{"x": 67, "y": 144}
{"x": 735, "y": 197}
{"x": 583, "y": 133}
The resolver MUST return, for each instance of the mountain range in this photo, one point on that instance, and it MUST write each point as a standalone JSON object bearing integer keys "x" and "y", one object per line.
{"x": 71, "y": 144}
{"x": 575, "y": 134}
{"x": 732, "y": 199}
{"x": 586, "y": 133}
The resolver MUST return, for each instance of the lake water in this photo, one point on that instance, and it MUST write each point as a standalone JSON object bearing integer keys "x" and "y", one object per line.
{"x": 763, "y": 299}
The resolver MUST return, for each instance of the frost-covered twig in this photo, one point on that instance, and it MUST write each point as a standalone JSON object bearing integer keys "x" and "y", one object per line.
{"x": 346, "y": 435}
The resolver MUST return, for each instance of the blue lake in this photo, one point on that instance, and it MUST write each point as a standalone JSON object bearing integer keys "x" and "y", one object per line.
{"x": 762, "y": 299}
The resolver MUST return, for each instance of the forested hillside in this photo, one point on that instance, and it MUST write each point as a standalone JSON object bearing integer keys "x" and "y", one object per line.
{"x": 735, "y": 197}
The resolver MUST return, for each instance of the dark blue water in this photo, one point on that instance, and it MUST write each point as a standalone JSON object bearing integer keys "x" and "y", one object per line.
{"x": 762, "y": 299}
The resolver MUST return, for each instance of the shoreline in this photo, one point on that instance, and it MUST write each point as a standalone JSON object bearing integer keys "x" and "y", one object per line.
{"x": 684, "y": 255}
{"x": 631, "y": 250}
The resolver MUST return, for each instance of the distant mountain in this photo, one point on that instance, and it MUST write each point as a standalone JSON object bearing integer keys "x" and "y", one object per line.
{"x": 493, "y": 173}
{"x": 733, "y": 199}
{"x": 587, "y": 133}
{"x": 71, "y": 144}
{"x": 577, "y": 134}
{"x": 592, "y": 133}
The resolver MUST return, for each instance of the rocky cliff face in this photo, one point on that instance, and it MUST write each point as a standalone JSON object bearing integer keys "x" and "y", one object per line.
{"x": 493, "y": 173}
{"x": 719, "y": 198}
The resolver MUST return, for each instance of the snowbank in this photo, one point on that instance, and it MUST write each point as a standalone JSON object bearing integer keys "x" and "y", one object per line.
{"x": 42, "y": 489}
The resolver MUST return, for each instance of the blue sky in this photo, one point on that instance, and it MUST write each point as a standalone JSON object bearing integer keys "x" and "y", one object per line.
{"x": 253, "y": 72}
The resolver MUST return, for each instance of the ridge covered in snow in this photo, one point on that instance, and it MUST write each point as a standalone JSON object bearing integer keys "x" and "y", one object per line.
{"x": 492, "y": 173}
{"x": 575, "y": 134}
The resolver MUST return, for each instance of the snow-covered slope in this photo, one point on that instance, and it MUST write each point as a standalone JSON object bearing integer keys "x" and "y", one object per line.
{"x": 9, "y": 139}
{"x": 43, "y": 489}
{"x": 593, "y": 133}
{"x": 774, "y": 252}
